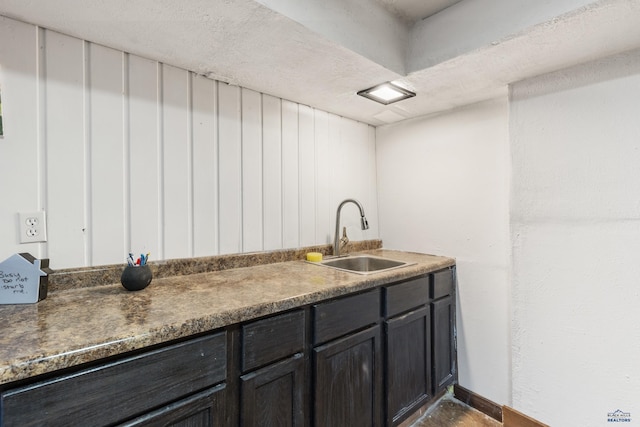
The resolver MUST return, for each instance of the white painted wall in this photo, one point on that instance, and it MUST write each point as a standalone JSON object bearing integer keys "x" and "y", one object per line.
{"x": 129, "y": 154}
{"x": 575, "y": 230}
{"x": 443, "y": 188}
{"x": 556, "y": 256}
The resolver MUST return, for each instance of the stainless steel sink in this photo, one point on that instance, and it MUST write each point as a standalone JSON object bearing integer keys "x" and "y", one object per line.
{"x": 363, "y": 264}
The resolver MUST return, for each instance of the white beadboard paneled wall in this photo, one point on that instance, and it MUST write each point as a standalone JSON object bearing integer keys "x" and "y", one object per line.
{"x": 129, "y": 154}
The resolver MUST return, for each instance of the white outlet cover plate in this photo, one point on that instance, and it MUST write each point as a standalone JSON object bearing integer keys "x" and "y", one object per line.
{"x": 33, "y": 227}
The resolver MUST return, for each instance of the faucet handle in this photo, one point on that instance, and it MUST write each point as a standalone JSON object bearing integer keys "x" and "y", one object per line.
{"x": 345, "y": 239}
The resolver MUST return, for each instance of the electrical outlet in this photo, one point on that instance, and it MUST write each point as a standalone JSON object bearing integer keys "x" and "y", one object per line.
{"x": 33, "y": 227}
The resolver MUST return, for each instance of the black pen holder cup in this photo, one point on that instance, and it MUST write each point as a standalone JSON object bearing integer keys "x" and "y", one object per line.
{"x": 136, "y": 278}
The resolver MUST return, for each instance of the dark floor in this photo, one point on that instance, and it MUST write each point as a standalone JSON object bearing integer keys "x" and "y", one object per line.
{"x": 451, "y": 412}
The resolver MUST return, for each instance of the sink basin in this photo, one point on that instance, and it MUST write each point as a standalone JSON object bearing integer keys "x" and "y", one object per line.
{"x": 363, "y": 264}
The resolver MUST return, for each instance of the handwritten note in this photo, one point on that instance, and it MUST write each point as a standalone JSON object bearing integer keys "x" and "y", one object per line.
{"x": 23, "y": 279}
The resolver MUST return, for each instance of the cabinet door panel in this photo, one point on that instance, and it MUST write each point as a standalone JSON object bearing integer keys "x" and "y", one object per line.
{"x": 273, "y": 395}
{"x": 444, "y": 368}
{"x": 204, "y": 409}
{"x": 348, "y": 381}
{"x": 408, "y": 376}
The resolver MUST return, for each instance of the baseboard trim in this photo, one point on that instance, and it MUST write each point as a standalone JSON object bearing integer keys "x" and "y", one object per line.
{"x": 513, "y": 418}
{"x": 478, "y": 402}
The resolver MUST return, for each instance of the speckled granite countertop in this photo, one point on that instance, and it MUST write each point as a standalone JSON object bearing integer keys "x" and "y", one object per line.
{"x": 80, "y": 325}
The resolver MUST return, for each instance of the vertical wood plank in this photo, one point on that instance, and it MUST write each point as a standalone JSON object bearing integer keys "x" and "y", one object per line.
{"x": 143, "y": 156}
{"x": 230, "y": 169}
{"x": 272, "y": 171}
{"x": 341, "y": 169}
{"x": 324, "y": 232}
{"x": 20, "y": 149}
{"x": 176, "y": 163}
{"x": 333, "y": 146}
{"x": 65, "y": 117}
{"x": 290, "y": 166}
{"x": 356, "y": 174}
{"x": 205, "y": 167}
{"x": 365, "y": 178}
{"x": 251, "y": 171}
{"x": 371, "y": 185}
{"x": 307, "y": 177}
{"x": 107, "y": 156}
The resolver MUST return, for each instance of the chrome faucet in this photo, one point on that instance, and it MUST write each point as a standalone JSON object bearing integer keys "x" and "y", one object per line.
{"x": 363, "y": 222}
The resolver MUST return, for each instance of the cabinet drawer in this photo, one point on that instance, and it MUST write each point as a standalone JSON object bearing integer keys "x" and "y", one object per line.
{"x": 441, "y": 284}
{"x": 119, "y": 390}
{"x": 344, "y": 315}
{"x": 271, "y": 339}
{"x": 404, "y": 296}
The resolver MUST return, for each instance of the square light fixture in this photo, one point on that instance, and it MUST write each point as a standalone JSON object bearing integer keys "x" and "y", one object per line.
{"x": 386, "y": 93}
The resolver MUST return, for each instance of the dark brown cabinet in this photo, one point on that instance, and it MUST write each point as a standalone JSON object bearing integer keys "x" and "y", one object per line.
{"x": 273, "y": 395}
{"x": 347, "y": 381}
{"x": 443, "y": 329}
{"x": 367, "y": 359}
{"x": 408, "y": 376}
{"x": 347, "y": 362}
{"x": 407, "y": 348}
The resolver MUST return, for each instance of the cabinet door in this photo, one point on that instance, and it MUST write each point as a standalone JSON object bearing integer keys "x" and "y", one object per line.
{"x": 205, "y": 409}
{"x": 408, "y": 376}
{"x": 273, "y": 395}
{"x": 348, "y": 381}
{"x": 444, "y": 357}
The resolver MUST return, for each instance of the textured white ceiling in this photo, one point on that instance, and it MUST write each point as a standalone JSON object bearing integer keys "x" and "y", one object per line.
{"x": 321, "y": 52}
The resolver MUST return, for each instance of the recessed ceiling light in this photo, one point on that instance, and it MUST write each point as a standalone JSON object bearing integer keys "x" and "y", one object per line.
{"x": 386, "y": 93}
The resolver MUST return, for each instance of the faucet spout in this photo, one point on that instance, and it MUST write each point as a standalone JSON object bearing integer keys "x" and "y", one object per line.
{"x": 363, "y": 223}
